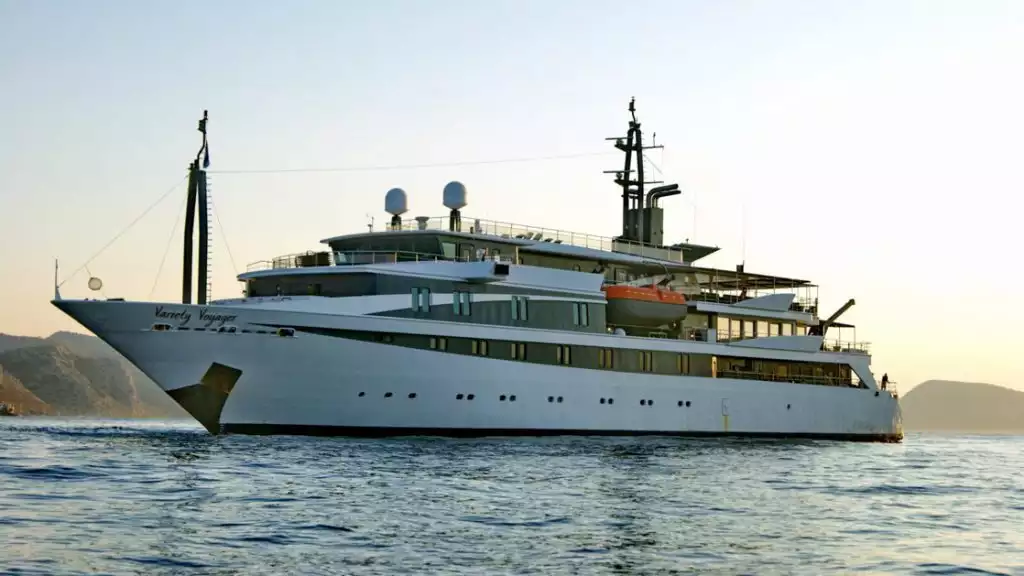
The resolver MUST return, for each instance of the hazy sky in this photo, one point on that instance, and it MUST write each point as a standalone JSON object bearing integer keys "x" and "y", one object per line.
{"x": 875, "y": 146}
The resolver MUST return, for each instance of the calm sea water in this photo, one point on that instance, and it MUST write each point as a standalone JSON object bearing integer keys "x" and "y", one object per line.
{"x": 165, "y": 498}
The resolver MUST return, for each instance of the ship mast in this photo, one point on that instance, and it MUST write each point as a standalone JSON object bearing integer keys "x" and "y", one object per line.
{"x": 641, "y": 215}
{"x": 197, "y": 194}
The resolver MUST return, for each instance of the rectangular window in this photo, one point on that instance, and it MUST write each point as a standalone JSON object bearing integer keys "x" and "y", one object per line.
{"x": 562, "y": 355}
{"x": 605, "y": 359}
{"x": 683, "y": 363}
{"x": 646, "y": 361}
{"x": 762, "y": 328}
{"x": 461, "y": 303}
{"x": 421, "y": 300}
{"x": 438, "y": 343}
{"x": 748, "y": 329}
{"x": 448, "y": 249}
{"x": 735, "y": 329}
{"x": 773, "y": 329}
{"x": 519, "y": 308}
{"x": 580, "y": 314}
{"x": 480, "y": 347}
{"x": 787, "y": 329}
{"x": 518, "y": 351}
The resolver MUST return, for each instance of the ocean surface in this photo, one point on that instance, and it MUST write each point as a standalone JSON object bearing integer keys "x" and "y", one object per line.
{"x": 137, "y": 497}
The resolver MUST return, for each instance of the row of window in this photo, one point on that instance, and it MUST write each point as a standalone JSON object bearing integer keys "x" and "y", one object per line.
{"x": 737, "y": 328}
{"x": 551, "y": 399}
{"x": 637, "y": 361}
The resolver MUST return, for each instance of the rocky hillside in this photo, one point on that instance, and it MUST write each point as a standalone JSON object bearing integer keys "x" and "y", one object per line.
{"x": 77, "y": 375}
{"x": 939, "y": 405}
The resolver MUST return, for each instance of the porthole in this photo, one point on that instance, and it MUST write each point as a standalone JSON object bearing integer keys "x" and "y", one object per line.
{"x": 650, "y": 402}
{"x": 512, "y": 398}
{"x": 412, "y": 395}
{"x": 643, "y": 402}
{"x": 470, "y": 397}
{"x": 387, "y": 394}
{"x": 286, "y": 332}
{"x": 611, "y": 400}
{"x": 501, "y": 398}
{"x": 361, "y": 394}
{"x": 458, "y": 396}
{"x": 687, "y": 403}
{"x": 787, "y": 406}
{"x": 559, "y": 399}
{"x": 602, "y": 400}
{"x": 680, "y": 403}
{"x": 551, "y": 398}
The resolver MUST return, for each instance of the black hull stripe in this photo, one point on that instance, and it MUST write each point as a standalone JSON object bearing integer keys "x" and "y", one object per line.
{"x": 388, "y": 432}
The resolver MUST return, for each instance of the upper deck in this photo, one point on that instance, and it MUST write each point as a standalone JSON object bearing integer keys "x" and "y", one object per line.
{"x": 550, "y": 240}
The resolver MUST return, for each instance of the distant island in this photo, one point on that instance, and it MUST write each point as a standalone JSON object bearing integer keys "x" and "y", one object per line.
{"x": 940, "y": 405}
{"x": 70, "y": 374}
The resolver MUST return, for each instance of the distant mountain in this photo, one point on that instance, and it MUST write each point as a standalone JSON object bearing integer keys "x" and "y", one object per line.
{"x": 939, "y": 405}
{"x": 14, "y": 393}
{"x": 10, "y": 342}
{"x": 76, "y": 374}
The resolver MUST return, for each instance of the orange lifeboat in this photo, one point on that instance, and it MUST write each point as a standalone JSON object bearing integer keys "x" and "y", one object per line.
{"x": 643, "y": 305}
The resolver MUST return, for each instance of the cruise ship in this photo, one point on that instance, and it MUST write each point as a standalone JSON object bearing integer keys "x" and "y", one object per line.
{"x": 458, "y": 326}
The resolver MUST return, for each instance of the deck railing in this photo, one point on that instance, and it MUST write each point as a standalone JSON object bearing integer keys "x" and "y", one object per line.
{"x": 349, "y": 258}
{"x": 846, "y": 346}
{"x": 510, "y": 230}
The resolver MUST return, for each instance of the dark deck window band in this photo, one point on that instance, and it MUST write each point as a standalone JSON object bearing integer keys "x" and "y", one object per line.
{"x": 588, "y": 357}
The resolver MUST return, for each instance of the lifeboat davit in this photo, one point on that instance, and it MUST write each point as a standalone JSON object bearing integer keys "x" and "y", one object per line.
{"x": 643, "y": 305}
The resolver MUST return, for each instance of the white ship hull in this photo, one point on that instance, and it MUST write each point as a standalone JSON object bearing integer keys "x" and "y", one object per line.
{"x": 320, "y": 384}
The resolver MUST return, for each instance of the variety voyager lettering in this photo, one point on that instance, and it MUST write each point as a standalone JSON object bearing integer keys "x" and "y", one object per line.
{"x": 184, "y": 316}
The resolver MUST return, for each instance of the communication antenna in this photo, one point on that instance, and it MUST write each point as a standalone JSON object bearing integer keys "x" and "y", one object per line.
{"x": 369, "y": 224}
{"x": 743, "y": 233}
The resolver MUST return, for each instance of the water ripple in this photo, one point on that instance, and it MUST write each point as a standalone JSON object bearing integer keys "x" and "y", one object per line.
{"x": 89, "y": 496}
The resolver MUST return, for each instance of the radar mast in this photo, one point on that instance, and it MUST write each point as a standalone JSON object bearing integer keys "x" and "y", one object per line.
{"x": 642, "y": 218}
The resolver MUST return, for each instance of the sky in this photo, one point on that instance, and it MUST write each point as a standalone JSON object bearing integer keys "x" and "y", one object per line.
{"x": 872, "y": 146}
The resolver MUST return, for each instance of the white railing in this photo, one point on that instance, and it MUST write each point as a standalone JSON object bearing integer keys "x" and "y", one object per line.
{"x": 511, "y": 230}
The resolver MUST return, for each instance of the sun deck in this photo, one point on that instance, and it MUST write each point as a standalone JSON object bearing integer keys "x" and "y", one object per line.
{"x": 549, "y": 239}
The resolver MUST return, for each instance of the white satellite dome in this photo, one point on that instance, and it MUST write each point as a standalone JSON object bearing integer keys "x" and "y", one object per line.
{"x": 455, "y": 195}
{"x": 396, "y": 202}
